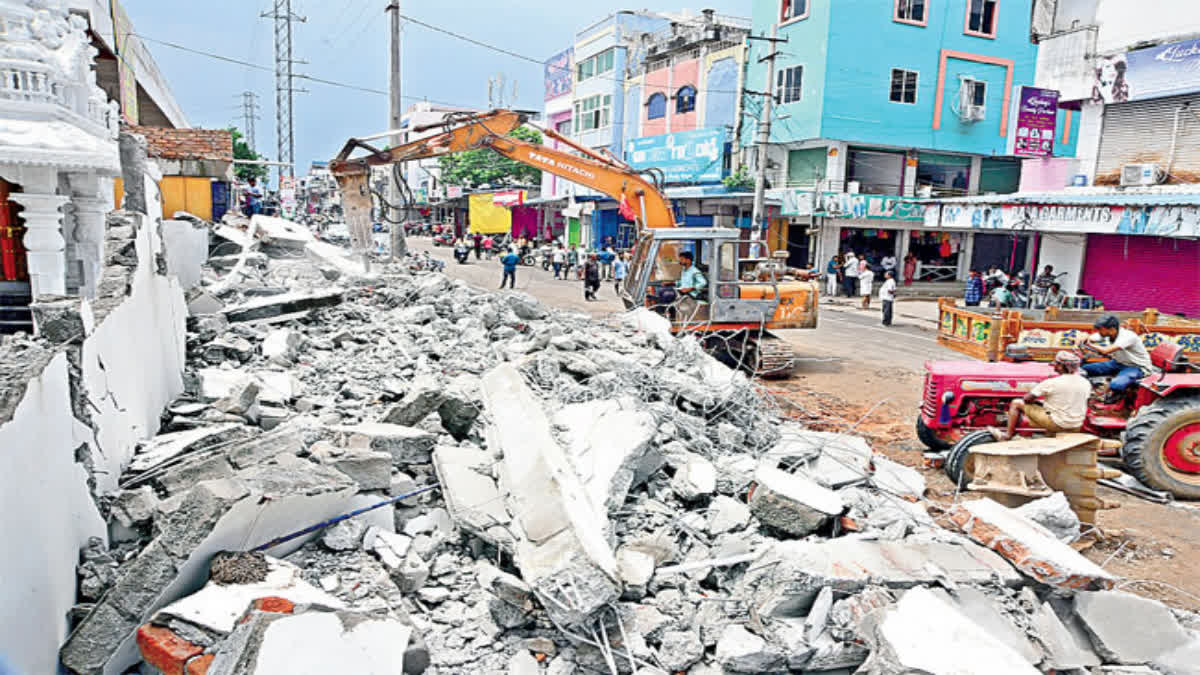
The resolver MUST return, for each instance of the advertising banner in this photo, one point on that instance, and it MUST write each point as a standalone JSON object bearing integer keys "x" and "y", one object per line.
{"x": 683, "y": 157}
{"x": 559, "y": 74}
{"x": 847, "y": 205}
{"x": 509, "y": 198}
{"x": 1034, "y": 121}
{"x": 1161, "y": 221}
{"x": 1154, "y": 72}
{"x": 454, "y": 192}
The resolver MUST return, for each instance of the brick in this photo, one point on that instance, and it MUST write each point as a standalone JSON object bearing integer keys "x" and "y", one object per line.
{"x": 1030, "y": 548}
{"x": 275, "y": 604}
{"x": 165, "y": 650}
{"x": 200, "y": 664}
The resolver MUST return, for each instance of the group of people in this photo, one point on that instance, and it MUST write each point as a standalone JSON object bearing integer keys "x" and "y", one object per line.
{"x": 855, "y": 277}
{"x": 1000, "y": 289}
{"x": 590, "y": 266}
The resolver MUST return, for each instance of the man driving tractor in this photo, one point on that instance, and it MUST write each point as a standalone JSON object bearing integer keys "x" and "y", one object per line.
{"x": 1063, "y": 401}
{"x": 1130, "y": 361}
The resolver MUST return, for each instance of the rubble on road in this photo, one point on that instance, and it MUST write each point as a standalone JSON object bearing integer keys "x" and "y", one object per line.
{"x": 611, "y": 499}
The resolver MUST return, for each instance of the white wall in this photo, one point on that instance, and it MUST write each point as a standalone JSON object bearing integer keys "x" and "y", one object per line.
{"x": 1065, "y": 252}
{"x": 1125, "y": 22}
{"x": 187, "y": 250}
{"x": 46, "y": 516}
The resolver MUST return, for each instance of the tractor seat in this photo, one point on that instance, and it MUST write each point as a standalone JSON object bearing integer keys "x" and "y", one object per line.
{"x": 1170, "y": 358}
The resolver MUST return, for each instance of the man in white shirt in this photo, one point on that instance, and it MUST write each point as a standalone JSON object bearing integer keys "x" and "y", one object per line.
{"x": 1064, "y": 401}
{"x": 1130, "y": 361}
{"x": 887, "y": 296}
{"x": 888, "y": 263}
{"x": 850, "y": 274}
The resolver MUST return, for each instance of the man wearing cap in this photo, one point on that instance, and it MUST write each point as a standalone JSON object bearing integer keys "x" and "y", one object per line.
{"x": 1129, "y": 363}
{"x": 1063, "y": 405}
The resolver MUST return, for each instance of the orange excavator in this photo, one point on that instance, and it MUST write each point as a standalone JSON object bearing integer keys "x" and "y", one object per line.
{"x": 732, "y": 303}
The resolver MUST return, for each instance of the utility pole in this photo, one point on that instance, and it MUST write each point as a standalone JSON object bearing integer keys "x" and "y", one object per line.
{"x": 759, "y": 229}
{"x": 249, "y": 114}
{"x": 399, "y": 247}
{"x": 285, "y": 140}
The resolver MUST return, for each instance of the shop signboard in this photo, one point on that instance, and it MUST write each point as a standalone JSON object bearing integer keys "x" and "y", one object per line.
{"x": 847, "y": 205}
{"x": 509, "y": 198}
{"x": 1154, "y": 72}
{"x": 126, "y": 75}
{"x": 454, "y": 192}
{"x": 1033, "y": 127}
{"x": 683, "y": 157}
{"x": 558, "y": 74}
{"x": 1159, "y": 221}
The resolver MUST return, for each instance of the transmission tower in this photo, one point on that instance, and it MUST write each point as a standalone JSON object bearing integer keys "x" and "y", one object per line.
{"x": 284, "y": 139}
{"x": 249, "y": 114}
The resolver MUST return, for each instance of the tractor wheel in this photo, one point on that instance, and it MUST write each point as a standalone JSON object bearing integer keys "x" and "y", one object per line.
{"x": 958, "y": 467}
{"x": 929, "y": 438}
{"x": 1162, "y": 446}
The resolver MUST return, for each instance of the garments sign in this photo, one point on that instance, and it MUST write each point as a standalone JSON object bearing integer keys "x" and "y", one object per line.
{"x": 848, "y": 205}
{"x": 683, "y": 157}
{"x": 1154, "y": 72}
{"x": 559, "y": 74}
{"x": 1034, "y": 122}
{"x": 126, "y": 75}
{"x": 1159, "y": 221}
{"x": 509, "y": 198}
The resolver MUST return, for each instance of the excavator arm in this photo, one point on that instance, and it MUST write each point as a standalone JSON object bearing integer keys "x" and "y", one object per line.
{"x": 490, "y": 130}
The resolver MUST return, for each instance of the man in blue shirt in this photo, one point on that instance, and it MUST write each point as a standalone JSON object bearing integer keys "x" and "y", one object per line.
{"x": 510, "y": 262}
{"x": 973, "y": 294}
{"x": 692, "y": 281}
{"x": 620, "y": 271}
{"x": 606, "y": 258}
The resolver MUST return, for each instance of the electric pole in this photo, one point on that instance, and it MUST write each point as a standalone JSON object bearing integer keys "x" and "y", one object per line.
{"x": 759, "y": 229}
{"x": 399, "y": 246}
{"x": 285, "y": 140}
{"x": 249, "y": 114}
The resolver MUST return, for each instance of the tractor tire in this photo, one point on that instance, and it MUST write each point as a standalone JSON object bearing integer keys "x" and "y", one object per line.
{"x": 1145, "y": 451}
{"x": 957, "y": 467}
{"x": 929, "y": 438}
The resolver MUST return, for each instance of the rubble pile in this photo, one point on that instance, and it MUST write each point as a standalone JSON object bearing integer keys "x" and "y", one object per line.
{"x": 610, "y": 499}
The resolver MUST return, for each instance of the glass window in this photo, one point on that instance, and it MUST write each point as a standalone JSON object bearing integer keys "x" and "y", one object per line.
{"x": 727, "y": 263}
{"x": 904, "y": 86}
{"x": 563, "y": 127}
{"x": 685, "y": 99}
{"x": 656, "y": 107}
{"x": 604, "y": 62}
{"x": 981, "y": 17}
{"x": 976, "y": 92}
{"x": 876, "y": 172}
{"x": 910, "y": 10}
{"x": 787, "y": 84}
{"x": 793, "y": 9}
{"x": 593, "y": 112}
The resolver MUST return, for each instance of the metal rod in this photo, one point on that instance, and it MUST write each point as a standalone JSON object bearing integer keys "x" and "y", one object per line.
{"x": 334, "y": 521}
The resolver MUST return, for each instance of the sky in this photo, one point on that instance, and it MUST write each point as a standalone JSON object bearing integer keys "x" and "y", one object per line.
{"x": 347, "y": 41}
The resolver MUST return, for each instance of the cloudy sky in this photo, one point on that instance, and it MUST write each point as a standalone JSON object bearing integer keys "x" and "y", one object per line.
{"x": 347, "y": 41}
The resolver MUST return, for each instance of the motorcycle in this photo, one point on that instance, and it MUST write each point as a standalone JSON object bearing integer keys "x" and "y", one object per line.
{"x": 546, "y": 253}
{"x": 461, "y": 254}
{"x": 443, "y": 240}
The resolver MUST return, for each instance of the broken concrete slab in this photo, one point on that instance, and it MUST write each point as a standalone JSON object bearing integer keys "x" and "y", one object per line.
{"x": 275, "y": 387}
{"x": 726, "y": 514}
{"x": 788, "y": 577}
{"x": 695, "y": 478}
{"x": 406, "y": 445}
{"x": 740, "y": 651}
{"x": 1182, "y": 660}
{"x": 1063, "y": 650}
{"x": 792, "y": 503}
{"x": 281, "y": 344}
{"x": 607, "y": 441}
{"x": 679, "y": 650}
{"x": 1055, "y": 514}
{"x": 981, "y": 609}
{"x": 372, "y": 470}
{"x": 165, "y": 447}
{"x": 472, "y": 496}
{"x": 1030, "y": 547}
{"x": 281, "y": 306}
{"x": 923, "y": 633}
{"x": 424, "y": 396}
{"x": 1128, "y": 629}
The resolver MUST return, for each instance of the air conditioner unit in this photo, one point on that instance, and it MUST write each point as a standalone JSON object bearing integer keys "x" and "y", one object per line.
{"x": 975, "y": 113}
{"x": 1139, "y": 174}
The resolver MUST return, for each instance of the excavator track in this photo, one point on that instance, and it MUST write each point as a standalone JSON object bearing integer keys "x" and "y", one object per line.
{"x": 772, "y": 358}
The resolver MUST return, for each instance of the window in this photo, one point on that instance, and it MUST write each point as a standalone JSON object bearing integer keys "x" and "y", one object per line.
{"x": 656, "y": 107}
{"x": 787, "y": 84}
{"x": 975, "y": 92}
{"x": 910, "y": 11}
{"x": 685, "y": 99}
{"x": 904, "y": 86}
{"x": 793, "y": 9}
{"x": 595, "y": 65}
{"x": 981, "y": 18}
{"x": 593, "y": 113}
{"x": 563, "y": 127}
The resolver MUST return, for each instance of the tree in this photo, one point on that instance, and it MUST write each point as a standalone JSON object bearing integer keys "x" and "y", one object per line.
{"x": 476, "y": 168}
{"x": 242, "y": 150}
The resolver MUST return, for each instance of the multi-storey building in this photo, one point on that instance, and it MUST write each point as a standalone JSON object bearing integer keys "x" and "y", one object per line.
{"x": 880, "y": 103}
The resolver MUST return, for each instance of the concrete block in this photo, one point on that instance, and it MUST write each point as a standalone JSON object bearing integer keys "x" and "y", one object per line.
{"x": 370, "y": 469}
{"x": 1063, "y": 650}
{"x": 695, "y": 478}
{"x": 1129, "y": 629}
{"x": 259, "y": 309}
{"x": 282, "y": 344}
{"x": 607, "y": 441}
{"x": 424, "y": 396}
{"x": 345, "y": 536}
{"x": 923, "y": 633}
{"x": 1183, "y": 660}
{"x": 726, "y": 514}
{"x": 679, "y": 650}
{"x": 406, "y": 445}
{"x": 635, "y": 569}
{"x": 792, "y": 503}
{"x": 1030, "y": 547}
{"x": 740, "y": 651}
{"x": 472, "y": 496}
{"x": 1055, "y": 514}
{"x": 985, "y": 613}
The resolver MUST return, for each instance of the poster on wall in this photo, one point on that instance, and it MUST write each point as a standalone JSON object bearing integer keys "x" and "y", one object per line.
{"x": 1035, "y": 118}
{"x": 847, "y": 205}
{"x": 683, "y": 157}
{"x": 1160, "y": 221}
{"x": 558, "y": 74}
{"x": 126, "y": 76}
{"x": 1154, "y": 72}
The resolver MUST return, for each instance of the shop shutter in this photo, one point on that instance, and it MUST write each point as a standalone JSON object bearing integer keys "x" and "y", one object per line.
{"x": 1140, "y": 133}
{"x": 1132, "y": 272}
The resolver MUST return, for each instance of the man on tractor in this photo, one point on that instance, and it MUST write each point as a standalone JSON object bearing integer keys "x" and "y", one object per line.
{"x": 1064, "y": 401}
{"x": 1130, "y": 361}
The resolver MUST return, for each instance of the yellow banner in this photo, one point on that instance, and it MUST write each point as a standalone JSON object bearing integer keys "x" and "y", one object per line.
{"x": 487, "y": 218}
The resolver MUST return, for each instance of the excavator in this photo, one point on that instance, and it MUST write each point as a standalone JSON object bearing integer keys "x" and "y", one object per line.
{"x": 742, "y": 300}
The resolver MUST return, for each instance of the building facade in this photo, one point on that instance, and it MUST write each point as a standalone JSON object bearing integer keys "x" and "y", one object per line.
{"x": 930, "y": 109}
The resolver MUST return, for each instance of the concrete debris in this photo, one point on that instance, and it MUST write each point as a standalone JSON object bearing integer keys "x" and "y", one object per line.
{"x": 792, "y": 503}
{"x": 1055, "y": 514}
{"x": 1129, "y": 629}
{"x": 740, "y": 651}
{"x": 1064, "y": 650}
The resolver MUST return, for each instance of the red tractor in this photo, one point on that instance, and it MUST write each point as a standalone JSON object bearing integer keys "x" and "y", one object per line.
{"x": 1159, "y": 428}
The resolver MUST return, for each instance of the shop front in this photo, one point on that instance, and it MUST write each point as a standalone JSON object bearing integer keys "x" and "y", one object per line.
{"x": 1132, "y": 273}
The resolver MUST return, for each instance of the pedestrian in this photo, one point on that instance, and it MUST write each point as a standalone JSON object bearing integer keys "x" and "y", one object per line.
{"x": 866, "y": 279}
{"x": 558, "y": 259}
{"x": 510, "y": 262}
{"x": 831, "y": 275}
{"x": 850, "y": 274}
{"x": 572, "y": 261}
{"x": 606, "y": 258}
{"x": 973, "y": 295}
{"x": 488, "y": 245}
{"x": 620, "y": 271}
{"x": 887, "y": 296}
{"x": 591, "y": 277}
{"x": 910, "y": 269}
{"x": 478, "y": 244}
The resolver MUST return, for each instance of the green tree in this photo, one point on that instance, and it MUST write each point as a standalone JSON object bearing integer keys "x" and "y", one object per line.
{"x": 242, "y": 150}
{"x": 475, "y": 168}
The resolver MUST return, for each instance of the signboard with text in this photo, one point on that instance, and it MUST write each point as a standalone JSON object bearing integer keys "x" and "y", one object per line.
{"x": 847, "y": 205}
{"x": 1034, "y": 122}
{"x": 683, "y": 157}
{"x": 1154, "y": 72}
{"x": 1161, "y": 221}
{"x": 559, "y": 74}
{"x": 509, "y": 198}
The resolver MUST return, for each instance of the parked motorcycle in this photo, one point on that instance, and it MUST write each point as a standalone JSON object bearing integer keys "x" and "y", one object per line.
{"x": 443, "y": 240}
